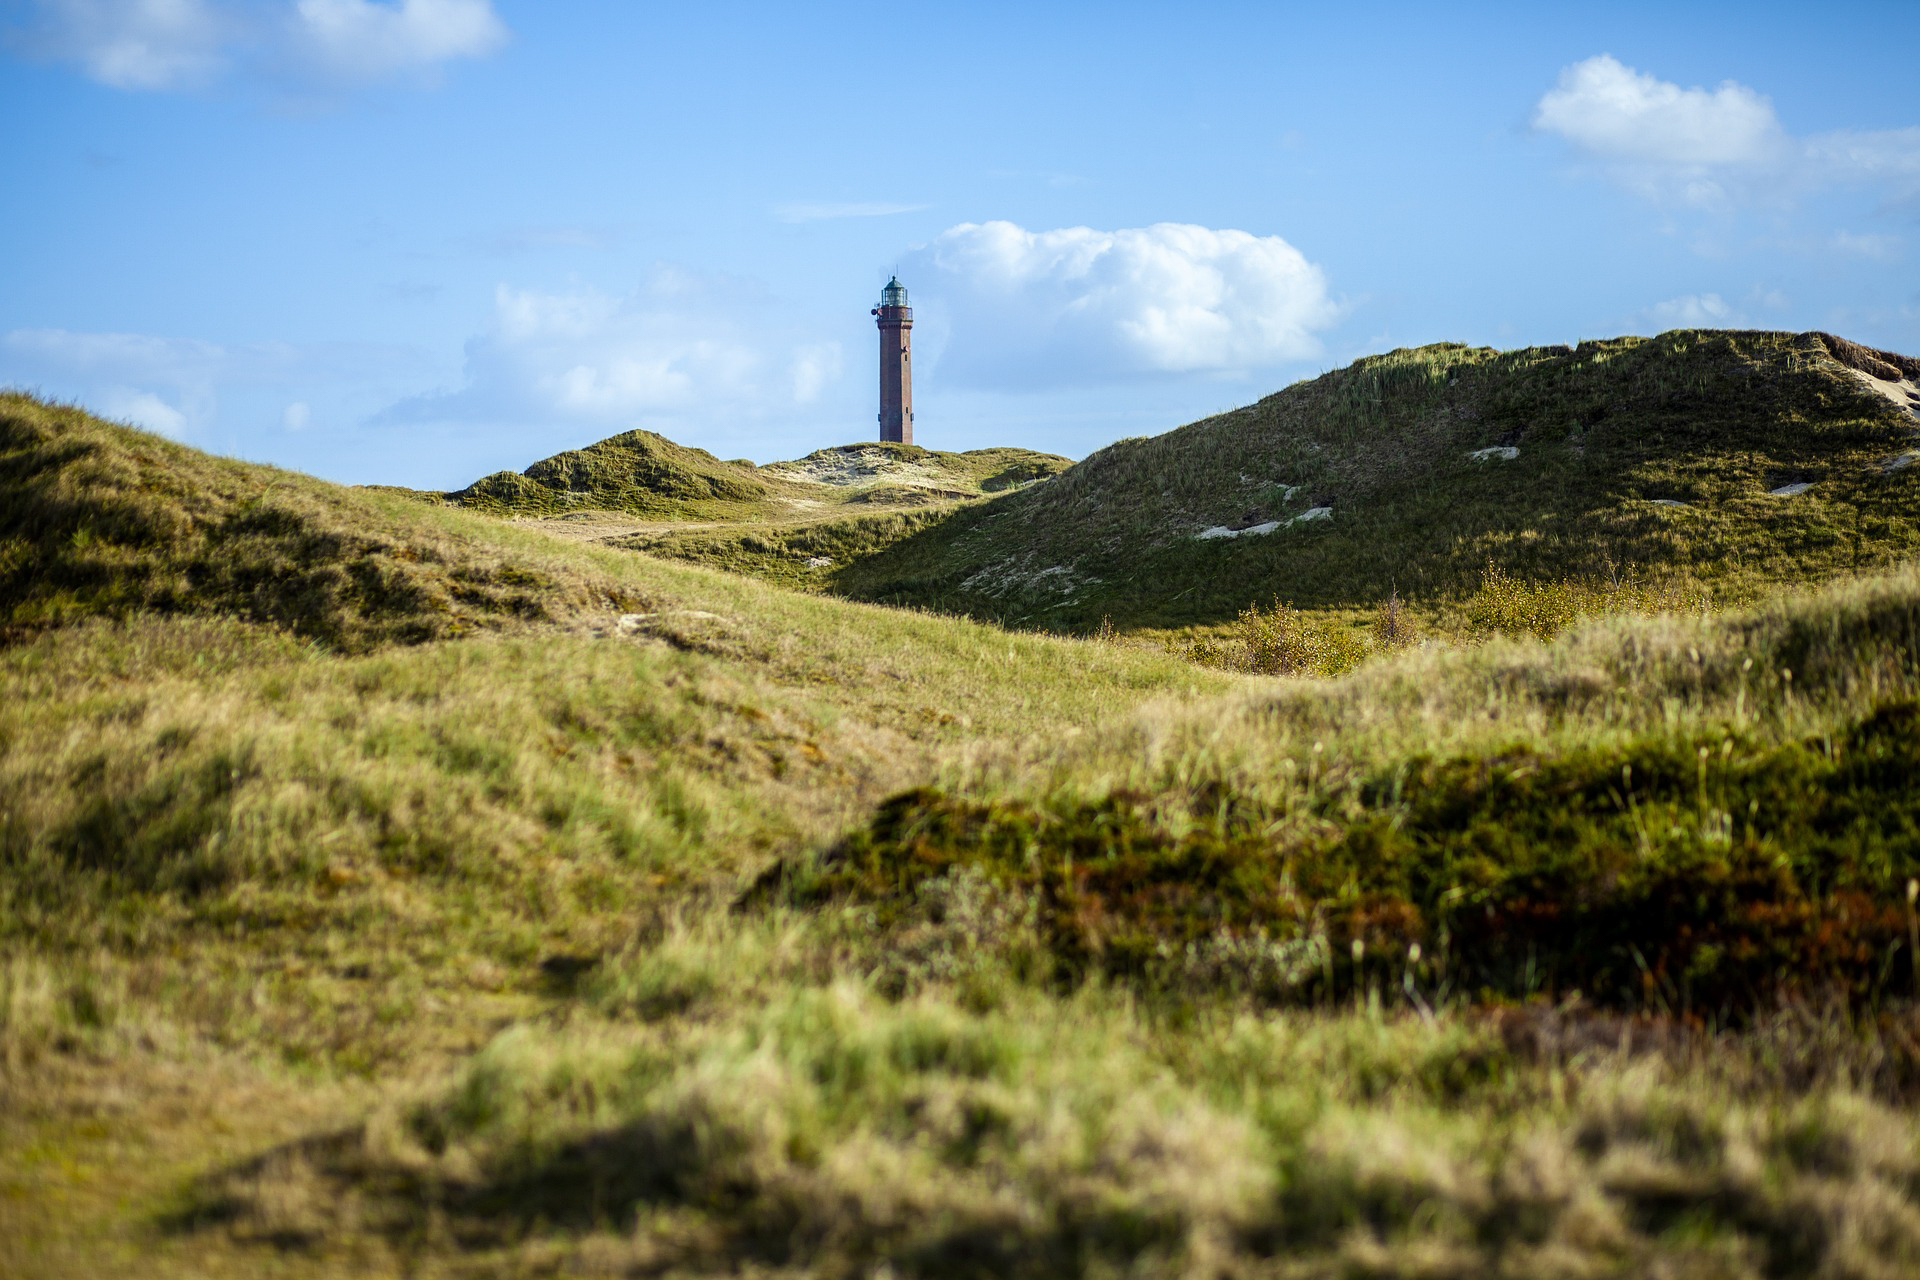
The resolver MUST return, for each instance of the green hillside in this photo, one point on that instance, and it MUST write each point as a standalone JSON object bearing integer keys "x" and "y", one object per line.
{"x": 1726, "y": 460}
{"x": 637, "y": 472}
{"x": 391, "y": 889}
{"x": 884, "y": 471}
{"x": 648, "y": 476}
{"x": 100, "y": 521}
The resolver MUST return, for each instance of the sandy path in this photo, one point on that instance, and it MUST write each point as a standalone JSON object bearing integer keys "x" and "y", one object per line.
{"x": 602, "y": 526}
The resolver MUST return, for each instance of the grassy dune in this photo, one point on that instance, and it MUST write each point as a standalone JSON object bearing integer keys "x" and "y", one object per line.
{"x": 653, "y": 920}
{"x": 791, "y": 523}
{"x": 1689, "y": 816}
{"x": 646, "y": 475}
{"x": 100, "y": 521}
{"x": 1418, "y": 470}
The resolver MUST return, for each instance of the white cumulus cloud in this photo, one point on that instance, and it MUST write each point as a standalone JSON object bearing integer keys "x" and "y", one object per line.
{"x": 1077, "y": 304}
{"x": 1711, "y": 147}
{"x": 362, "y": 38}
{"x": 1613, "y": 110}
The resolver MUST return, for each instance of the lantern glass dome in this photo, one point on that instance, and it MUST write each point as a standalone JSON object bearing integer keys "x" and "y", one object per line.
{"x": 894, "y": 295}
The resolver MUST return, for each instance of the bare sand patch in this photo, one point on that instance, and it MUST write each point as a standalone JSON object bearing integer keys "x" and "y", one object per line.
{"x": 1309, "y": 516}
{"x": 858, "y": 467}
{"x": 1903, "y": 392}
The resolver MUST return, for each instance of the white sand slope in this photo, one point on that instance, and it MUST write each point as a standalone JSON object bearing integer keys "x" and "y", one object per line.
{"x": 857, "y": 467}
{"x": 1905, "y": 393}
{"x": 1309, "y": 516}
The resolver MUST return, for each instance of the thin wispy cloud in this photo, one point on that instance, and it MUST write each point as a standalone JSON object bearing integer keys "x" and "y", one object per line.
{"x": 1757, "y": 307}
{"x": 176, "y": 385}
{"x": 1713, "y": 147}
{"x": 169, "y": 385}
{"x": 1875, "y": 247}
{"x": 670, "y": 350}
{"x": 159, "y": 45}
{"x": 361, "y": 39}
{"x": 1692, "y": 311}
{"x": 133, "y": 44}
{"x": 142, "y": 409}
{"x": 827, "y": 211}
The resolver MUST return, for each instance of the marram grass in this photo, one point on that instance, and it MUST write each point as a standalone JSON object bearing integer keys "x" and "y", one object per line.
{"x": 1549, "y": 464}
{"x": 339, "y": 940}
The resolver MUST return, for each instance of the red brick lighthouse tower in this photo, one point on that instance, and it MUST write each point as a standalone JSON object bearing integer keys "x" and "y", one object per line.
{"x": 896, "y": 363}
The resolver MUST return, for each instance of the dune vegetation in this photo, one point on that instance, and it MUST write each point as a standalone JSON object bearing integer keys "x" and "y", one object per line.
{"x": 387, "y": 887}
{"x": 1724, "y": 461}
{"x": 645, "y": 475}
{"x": 792, "y": 523}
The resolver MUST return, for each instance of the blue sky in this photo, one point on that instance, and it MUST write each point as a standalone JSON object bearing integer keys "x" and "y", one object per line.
{"x": 417, "y": 241}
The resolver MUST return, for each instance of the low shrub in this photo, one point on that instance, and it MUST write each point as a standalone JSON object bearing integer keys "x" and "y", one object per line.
{"x": 1506, "y": 605}
{"x": 1708, "y": 876}
{"x": 1280, "y": 641}
{"x": 1393, "y": 626}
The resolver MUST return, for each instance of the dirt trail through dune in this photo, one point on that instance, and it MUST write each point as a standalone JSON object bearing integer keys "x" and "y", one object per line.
{"x": 599, "y": 526}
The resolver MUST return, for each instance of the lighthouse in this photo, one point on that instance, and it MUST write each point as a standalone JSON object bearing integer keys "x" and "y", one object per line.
{"x": 896, "y": 363}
